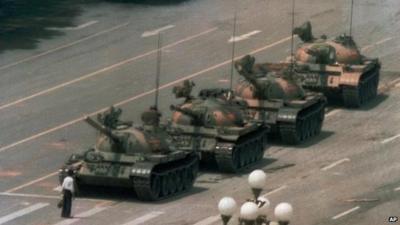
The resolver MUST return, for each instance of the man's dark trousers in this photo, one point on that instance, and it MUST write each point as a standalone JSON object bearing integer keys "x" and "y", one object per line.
{"x": 67, "y": 204}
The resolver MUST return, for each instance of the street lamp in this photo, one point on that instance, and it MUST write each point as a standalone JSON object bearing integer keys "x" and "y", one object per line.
{"x": 227, "y": 207}
{"x": 257, "y": 181}
{"x": 254, "y": 211}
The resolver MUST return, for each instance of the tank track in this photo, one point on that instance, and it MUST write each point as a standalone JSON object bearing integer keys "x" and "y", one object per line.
{"x": 308, "y": 124}
{"x": 167, "y": 180}
{"x": 247, "y": 151}
{"x": 367, "y": 89}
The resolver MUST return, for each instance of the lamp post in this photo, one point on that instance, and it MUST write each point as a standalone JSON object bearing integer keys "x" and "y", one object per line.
{"x": 254, "y": 211}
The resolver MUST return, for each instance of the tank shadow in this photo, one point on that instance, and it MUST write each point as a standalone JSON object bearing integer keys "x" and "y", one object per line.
{"x": 149, "y": 2}
{"x": 374, "y": 102}
{"x": 212, "y": 168}
{"x": 312, "y": 141}
{"x": 127, "y": 195}
{"x": 24, "y": 23}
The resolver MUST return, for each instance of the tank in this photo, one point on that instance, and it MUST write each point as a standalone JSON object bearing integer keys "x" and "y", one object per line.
{"x": 275, "y": 97}
{"x": 336, "y": 67}
{"x": 140, "y": 158}
{"x": 214, "y": 125}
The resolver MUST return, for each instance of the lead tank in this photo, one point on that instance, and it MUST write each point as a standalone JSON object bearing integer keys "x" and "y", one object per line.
{"x": 336, "y": 67}
{"x": 141, "y": 158}
{"x": 275, "y": 97}
{"x": 215, "y": 126}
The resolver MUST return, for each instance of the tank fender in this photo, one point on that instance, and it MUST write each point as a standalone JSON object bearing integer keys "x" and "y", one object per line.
{"x": 350, "y": 78}
{"x": 141, "y": 170}
{"x": 287, "y": 114}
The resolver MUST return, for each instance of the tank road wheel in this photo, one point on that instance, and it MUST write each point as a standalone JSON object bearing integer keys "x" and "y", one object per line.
{"x": 172, "y": 182}
{"x": 180, "y": 180}
{"x": 155, "y": 186}
{"x": 352, "y": 96}
{"x": 164, "y": 185}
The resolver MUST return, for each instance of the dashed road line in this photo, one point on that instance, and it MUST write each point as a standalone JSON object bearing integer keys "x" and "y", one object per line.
{"x": 346, "y": 213}
{"x": 156, "y": 31}
{"x": 143, "y": 219}
{"x": 209, "y": 220}
{"x": 30, "y": 58}
{"x": 86, "y": 214}
{"x": 31, "y": 182}
{"x": 275, "y": 191}
{"x": 29, "y": 195}
{"x": 243, "y": 36}
{"x": 387, "y": 140}
{"x": 330, "y": 166}
{"x": 87, "y": 76}
{"x": 22, "y": 212}
{"x": 141, "y": 95}
{"x": 90, "y": 23}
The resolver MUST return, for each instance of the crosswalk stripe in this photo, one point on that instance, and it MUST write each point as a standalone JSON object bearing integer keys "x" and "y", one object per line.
{"x": 88, "y": 213}
{"x": 145, "y": 218}
{"x": 209, "y": 220}
{"x": 22, "y": 212}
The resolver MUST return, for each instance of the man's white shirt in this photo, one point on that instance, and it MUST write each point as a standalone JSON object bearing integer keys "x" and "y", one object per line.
{"x": 68, "y": 184}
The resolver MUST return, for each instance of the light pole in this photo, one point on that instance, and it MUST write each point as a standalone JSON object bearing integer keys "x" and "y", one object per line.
{"x": 254, "y": 211}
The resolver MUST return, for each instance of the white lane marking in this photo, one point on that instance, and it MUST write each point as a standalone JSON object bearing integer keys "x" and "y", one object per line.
{"x": 243, "y": 36}
{"x": 345, "y": 213}
{"x": 333, "y": 112}
{"x": 335, "y": 164}
{"x": 208, "y": 220}
{"x": 87, "y": 76}
{"x": 156, "y": 31}
{"x": 384, "y": 40}
{"x": 29, "y": 195}
{"x": 32, "y": 182}
{"x": 30, "y": 58}
{"x": 76, "y": 27}
{"x": 140, "y": 95}
{"x": 57, "y": 189}
{"x": 275, "y": 191}
{"x": 22, "y": 212}
{"x": 367, "y": 47}
{"x": 390, "y": 139}
{"x": 143, "y": 219}
{"x": 13, "y": 194}
{"x": 78, "y": 217}
{"x": 397, "y": 189}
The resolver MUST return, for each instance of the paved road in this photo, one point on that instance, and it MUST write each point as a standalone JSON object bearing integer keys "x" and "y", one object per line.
{"x": 348, "y": 175}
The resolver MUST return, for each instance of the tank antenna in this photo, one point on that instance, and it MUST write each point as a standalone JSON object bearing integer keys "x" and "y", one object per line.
{"x": 233, "y": 46}
{"x": 351, "y": 16}
{"x": 292, "y": 40}
{"x": 158, "y": 69}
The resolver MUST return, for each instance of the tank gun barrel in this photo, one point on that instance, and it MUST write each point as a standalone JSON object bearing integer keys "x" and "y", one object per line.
{"x": 104, "y": 130}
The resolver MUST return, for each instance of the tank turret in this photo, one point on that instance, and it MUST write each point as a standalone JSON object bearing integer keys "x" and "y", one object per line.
{"x": 266, "y": 85}
{"x": 341, "y": 49}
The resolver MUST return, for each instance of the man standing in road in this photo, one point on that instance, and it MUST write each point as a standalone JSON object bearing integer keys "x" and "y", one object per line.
{"x": 68, "y": 191}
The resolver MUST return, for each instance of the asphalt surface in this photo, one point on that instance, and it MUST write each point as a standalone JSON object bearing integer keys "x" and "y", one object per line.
{"x": 107, "y": 55}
